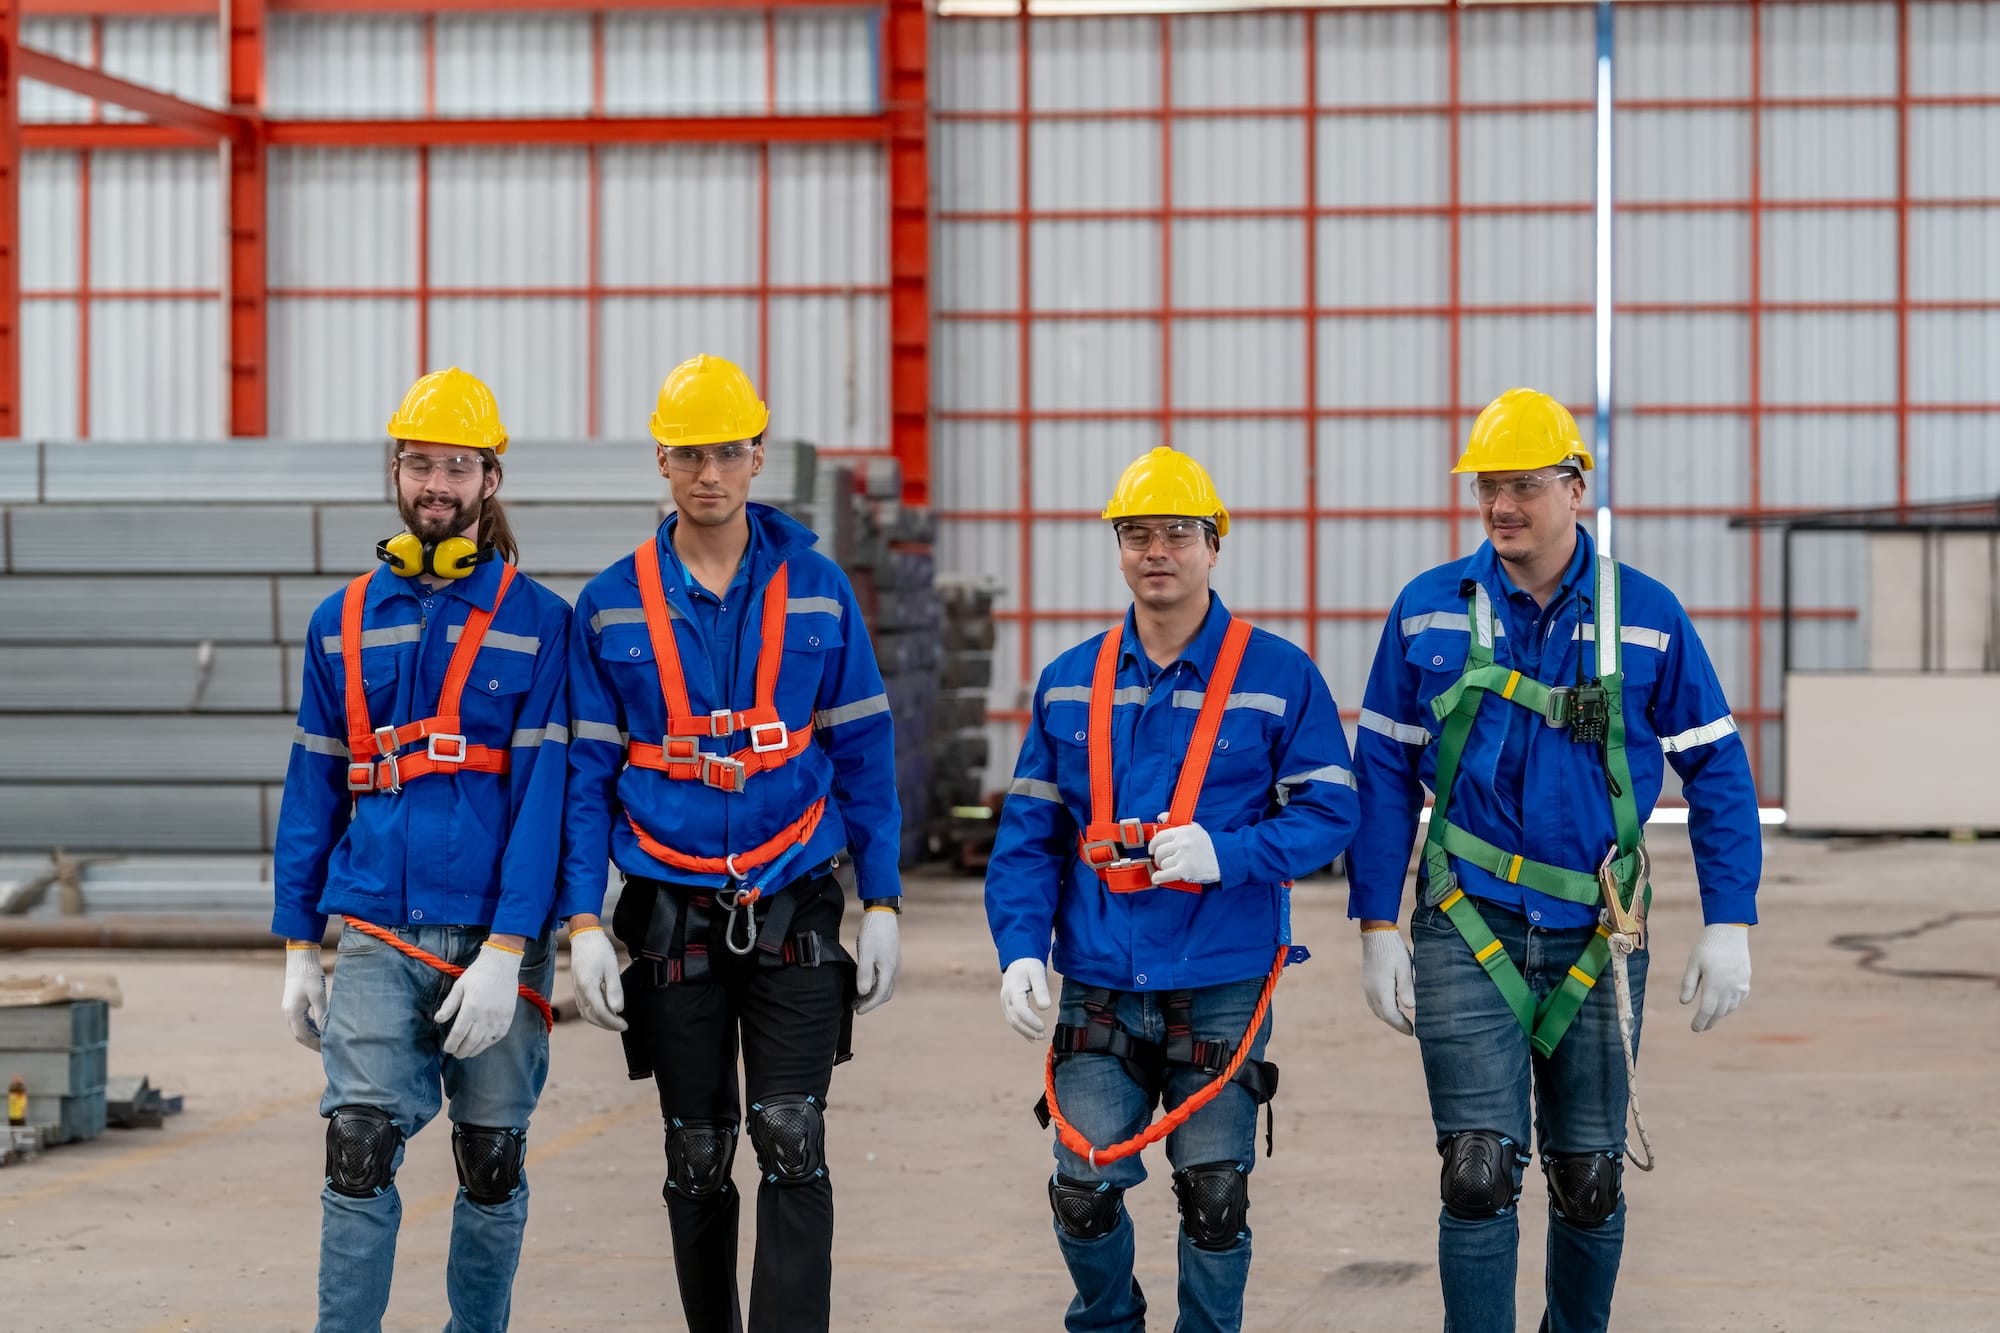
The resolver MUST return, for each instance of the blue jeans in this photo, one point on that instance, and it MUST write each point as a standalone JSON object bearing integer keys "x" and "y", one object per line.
{"x": 382, "y": 1050}
{"x": 1101, "y": 1100}
{"x": 1481, "y": 1072}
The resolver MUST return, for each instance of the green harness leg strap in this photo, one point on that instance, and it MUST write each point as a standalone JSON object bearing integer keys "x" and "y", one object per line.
{"x": 1457, "y": 707}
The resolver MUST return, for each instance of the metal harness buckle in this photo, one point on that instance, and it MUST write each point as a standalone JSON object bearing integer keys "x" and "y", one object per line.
{"x": 361, "y": 775}
{"x": 729, "y": 766}
{"x": 1132, "y": 832}
{"x": 453, "y": 751}
{"x": 386, "y": 743}
{"x": 1618, "y": 919}
{"x": 721, "y": 722}
{"x": 1562, "y": 699}
{"x": 761, "y": 747}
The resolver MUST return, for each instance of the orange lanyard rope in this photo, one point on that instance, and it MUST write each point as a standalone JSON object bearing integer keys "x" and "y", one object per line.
{"x": 403, "y": 946}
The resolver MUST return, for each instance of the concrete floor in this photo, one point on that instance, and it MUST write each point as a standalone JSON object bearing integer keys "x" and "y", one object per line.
{"x": 1830, "y": 1159}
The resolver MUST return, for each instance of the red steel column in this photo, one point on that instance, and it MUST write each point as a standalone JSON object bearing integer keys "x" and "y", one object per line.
{"x": 906, "y": 43}
{"x": 249, "y": 271}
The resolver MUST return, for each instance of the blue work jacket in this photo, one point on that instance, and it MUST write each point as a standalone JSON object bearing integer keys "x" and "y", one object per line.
{"x": 469, "y": 849}
{"x": 828, "y": 680}
{"x": 1527, "y": 787}
{"x": 1278, "y": 802}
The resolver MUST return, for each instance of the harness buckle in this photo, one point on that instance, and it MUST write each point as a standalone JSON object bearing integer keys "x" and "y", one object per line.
{"x": 446, "y": 747}
{"x": 385, "y": 740}
{"x": 729, "y": 768}
{"x": 760, "y": 746}
{"x": 1089, "y": 850}
{"x": 395, "y": 772}
{"x": 721, "y": 722}
{"x": 1132, "y": 832}
{"x": 1562, "y": 700}
{"x": 361, "y": 776}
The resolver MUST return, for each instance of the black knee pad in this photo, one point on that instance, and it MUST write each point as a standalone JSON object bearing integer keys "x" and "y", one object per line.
{"x": 789, "y": 1132}
{"x": 1215, "y": 1203}
{"x": 361, "y": 1145}
{"x": 1085, "y": 1209}
{"x": 1482, "y": 1174}
{"x": 489, "y": 1161}
{"x": 1583, "y": 1186}
{"x": 699, "y": 1156}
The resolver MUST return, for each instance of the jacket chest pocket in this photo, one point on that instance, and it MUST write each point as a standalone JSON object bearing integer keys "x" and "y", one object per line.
{"x": 496, "y": 684}
{"x": 1438, "y": 657}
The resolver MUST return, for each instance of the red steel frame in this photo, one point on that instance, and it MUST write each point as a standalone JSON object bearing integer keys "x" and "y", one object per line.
{"x": 901, "y": 127}
{"x": 1756, "y": 707}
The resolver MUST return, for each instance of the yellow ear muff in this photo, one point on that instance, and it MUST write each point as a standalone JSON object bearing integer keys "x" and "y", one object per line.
{"x": 403, "y": 553}
{"x": 454, "y": 558}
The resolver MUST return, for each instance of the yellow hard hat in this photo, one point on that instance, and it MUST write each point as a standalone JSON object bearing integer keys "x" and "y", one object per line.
{"x": 1520, "y": 430}
{"x": 1167, "y": 481}
{"x": 706, "y": 400}
{"x": 450, "y": 407}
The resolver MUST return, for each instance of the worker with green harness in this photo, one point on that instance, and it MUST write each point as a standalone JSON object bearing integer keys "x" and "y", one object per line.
{"x": 1539, "y": 688}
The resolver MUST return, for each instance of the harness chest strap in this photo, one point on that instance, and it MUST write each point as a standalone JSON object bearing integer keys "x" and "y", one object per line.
{"x": 375, "y": 764}
{"x": 1106, "y": 839}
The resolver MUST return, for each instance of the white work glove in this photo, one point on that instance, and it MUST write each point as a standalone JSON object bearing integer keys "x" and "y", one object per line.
{"x": 876, "y": 956}
{"x": 1719, "y": 965}
{"x": 1184, "y": 854}
{"x": 1024, "y": 987}
{"x": 484, "y": 998}
{"x": 593, "y": 977}
{"x": 305, "y": 993}
{"x": 1386, "y": 980}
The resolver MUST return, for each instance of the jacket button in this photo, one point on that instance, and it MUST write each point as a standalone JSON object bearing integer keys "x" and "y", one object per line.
{"x": 1437, "y": 661}
{"x": 1222, "y": 745}
{"x": 417, "y": 914}
{"x": 635, "y": 652}
{"x": 1141, "y": 978}
{"x": 1080, "y": 736}
{"x": 492, "y": 684}
{"x": 813, "y": 640}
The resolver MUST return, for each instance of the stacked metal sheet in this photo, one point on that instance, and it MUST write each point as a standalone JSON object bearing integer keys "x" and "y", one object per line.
{"x": 59, "y": 1051}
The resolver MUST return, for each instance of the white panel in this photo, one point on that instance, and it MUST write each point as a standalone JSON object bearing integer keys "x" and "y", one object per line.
{"x": 1830, "y": 154}
{"x": 1954, "y": 152}
{"x": 70, "y": 39}
{"x": 1531, "y": 54}
{"x": 1522, "y": 259}
{"x": 978, "y": 266}
{"x": 1248, "y": 363}
{"x": 976, "y": 366}
{"x": 680, "y": 216}
{"x": 1955, "y": 254}
{"x": 1383, "y": 59}
{"x": 182, "y": 56}
{"x": 49, "y": 369}
{"x": 1094, "y": 265}
{"x": 1384, "y": 262}
{"x": 977, "y": 166}
{"x": 338, "y": 368}
{"x": 1681, "y": 155}
{"x": 1260, "y": 569}
{"x": 1094, "y": 64}
{"x": 1676, "y": 460}
{"x": 509, "y": 217}
{"x": 826, "y": 63}
{"x": 1828, "y": 461}
{"x": 49, "y": 231}
{"x": 1075, "y": 569}
{"x": 1528, "y": 158}
{"x": 344, "y": 66}
{"x": 1377, "y": 362}
{"x": 1683, "y": 257}
{"x": 1239, "y": 60}
{"x": 1383, "y": 160}
{"x": 1954, "y": 48}
{"x": 1681, "y": 359}
{"x": 531, "y": 351}
{"x": 1829, "y": 358}
{"x": 343, "y": 218}
{"x": 1553, "y": 353}
{"x": 513, "y": 65}
{"x": 1390, "y": 462}
{"x": 978, "y": 465}
{"x": 1955, "y": 357}
{"x": 1830, "y": 256}
{"x": 1668, "y": 51}
{"x": 1073, "y": 465}
{"x": 1830, "y": 50}
{"x": 1257, "y": 464}
{"x": 828, "y": 376}
{"x": 155, "y": 220}
{"x": 680, "y": 63}
{"x": 155, "y": 369}
{"x": 1239, "y": 162}
{"x": 1239, "y": 264}
{"x": 978, "y": 66}
{"x": 829, "y": 215}
{"x": 642, "y": 339}
{"x": 1705, "y": 564}
{"x": 1953, "y": 456}
{"x": 1095, "y": 364}
{"x": 1082, "y": 164}
{"x": 1365, "y": 563}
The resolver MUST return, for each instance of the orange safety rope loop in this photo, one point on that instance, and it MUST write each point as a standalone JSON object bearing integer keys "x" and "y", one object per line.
{"x": 404, "y": 947}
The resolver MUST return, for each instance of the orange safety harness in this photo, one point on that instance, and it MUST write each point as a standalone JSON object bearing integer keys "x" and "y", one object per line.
{"x": 403, "y": 946}
{"x": 445, "y": 747}
{"x": 1106, "y": 843}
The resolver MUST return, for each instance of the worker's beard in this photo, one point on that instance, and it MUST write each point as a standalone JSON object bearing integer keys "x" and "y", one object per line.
{"x": 431, "y": 526}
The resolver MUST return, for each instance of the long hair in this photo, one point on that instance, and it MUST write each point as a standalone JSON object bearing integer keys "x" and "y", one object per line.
{"x": 494, "y": 529}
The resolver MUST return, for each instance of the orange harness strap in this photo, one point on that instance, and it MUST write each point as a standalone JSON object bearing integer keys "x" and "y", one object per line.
{"x": 1179, "y": 1116}
{"x": 375, "y": 765}
{"x": 403, "y": 946}
{"x": 737, "y": 864}
{"x": 1104, "y": 842}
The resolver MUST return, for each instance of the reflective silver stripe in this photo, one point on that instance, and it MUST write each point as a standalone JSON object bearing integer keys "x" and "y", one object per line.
{"x": 799, "y": 606}
{"x": 376, "y": 638}
{"x": 854, "y": 712}
{"x": 1035, "y": 789}
{"x": 618, "y": 615}
{"x": 1080, "y": 694}
{"x": 331, "y": 745}
{"x": 1266, "y": 703}
{"x": 555, "y": 734}
{"x": 598, "y": 731}
{"x": 1333, "y": 773}
{"x": 1632, "y": 636}
{"x": 1607, "y": 610}
{"x": 1449, "y": 620}
{"x": 507, "y": 643}
{"x": 1696, "y": 736}
{"x": 1394, "y": 730}
{"x": 1484, "y": 606}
